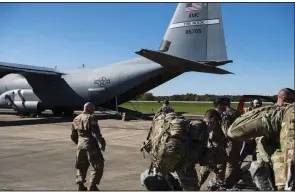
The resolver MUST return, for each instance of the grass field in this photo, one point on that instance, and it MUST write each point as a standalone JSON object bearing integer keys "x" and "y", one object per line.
{"x": 193, "y": 108}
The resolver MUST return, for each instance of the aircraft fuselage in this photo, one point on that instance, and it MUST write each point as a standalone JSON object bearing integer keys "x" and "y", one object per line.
{"x": 98, "y": 85}
{"x": 194, "y": 41}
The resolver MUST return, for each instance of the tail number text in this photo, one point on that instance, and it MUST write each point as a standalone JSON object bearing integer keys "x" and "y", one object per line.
{"x": 193, "y": 31}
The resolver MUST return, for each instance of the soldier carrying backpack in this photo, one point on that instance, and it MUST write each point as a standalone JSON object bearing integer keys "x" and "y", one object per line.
{"x": 176, "y": 145}
{"x": 274, "y": 129}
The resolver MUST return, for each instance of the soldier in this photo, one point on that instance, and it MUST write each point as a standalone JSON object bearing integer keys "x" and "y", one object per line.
{"x": 185, "y": 169}
{"x": 165, "y": 108}
{"x": 86, "y": 134}
{"x": 257, "y": 103}
{"x": 273, "y": 128}
{"x": 216, "y": 157}
{"x": 232, "y": 147}
{"x": 220, "y": 104}
{"x": 285, "y": 96}
{"x": 228, "y": 115}
{"x": 187, "y": 174}
{"x": 250, "y": 146}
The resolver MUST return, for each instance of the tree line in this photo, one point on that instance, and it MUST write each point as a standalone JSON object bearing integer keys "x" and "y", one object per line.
{"x": 188, "y": 97}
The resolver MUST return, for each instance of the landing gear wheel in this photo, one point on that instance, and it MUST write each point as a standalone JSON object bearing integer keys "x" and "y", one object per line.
{"x": 37, "y": 114}
{"x": 57, "y": 112}
{"x": 68, "y": 112}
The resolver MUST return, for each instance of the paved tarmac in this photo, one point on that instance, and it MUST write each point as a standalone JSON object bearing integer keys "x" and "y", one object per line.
{"x": 38, "y": 154}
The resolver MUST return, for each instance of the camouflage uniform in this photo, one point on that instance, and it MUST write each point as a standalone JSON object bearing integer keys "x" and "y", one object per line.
{"x": 187, "y": 172}
{"x": 165, "y": 109}
{"x": 215, "y": 158}
{"x": 274, "y": 133}
{"x": 265, "y": 150}
{"x": 232, "y": 149}
{"x": 86, "y": 134}
{"x": 188, "y": 158}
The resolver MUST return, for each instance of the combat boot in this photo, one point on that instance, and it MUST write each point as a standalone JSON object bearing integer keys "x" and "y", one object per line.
{"x": 93, "y": 187}
{"x": 81, "y": 187}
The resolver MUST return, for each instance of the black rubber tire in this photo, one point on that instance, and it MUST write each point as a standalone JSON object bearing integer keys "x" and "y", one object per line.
{"x": 68, "y": 112}
{"x": 57, "y": 112}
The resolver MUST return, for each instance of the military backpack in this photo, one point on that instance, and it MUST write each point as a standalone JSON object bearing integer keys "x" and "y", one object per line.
{"x": 259, "y": 117}
{"x": 283, "y": 159}
{"x": 172, "y": 140}
{"x": 267, "y": 116}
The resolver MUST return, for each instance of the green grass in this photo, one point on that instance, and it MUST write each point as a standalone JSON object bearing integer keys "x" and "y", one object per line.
{"x": 195, "y": 108}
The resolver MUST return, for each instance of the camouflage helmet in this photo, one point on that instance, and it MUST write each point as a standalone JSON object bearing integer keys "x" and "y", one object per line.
{"x": 221, "y": 101}
{"x": 166, "y": 101}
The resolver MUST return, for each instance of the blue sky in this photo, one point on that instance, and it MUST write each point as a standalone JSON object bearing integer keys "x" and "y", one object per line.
{"x": 259, "y": 38}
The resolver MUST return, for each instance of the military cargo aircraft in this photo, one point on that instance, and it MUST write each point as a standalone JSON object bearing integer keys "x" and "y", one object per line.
{"x": 194, "y": 41}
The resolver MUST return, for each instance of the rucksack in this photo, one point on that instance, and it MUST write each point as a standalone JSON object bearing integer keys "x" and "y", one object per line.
{"x": 257, "y": 118}
{"x": 170, "y": 138}
{"x": 283, "y": 158}
{"x": 277, "y": 148}
{"x": 155, "y": 181}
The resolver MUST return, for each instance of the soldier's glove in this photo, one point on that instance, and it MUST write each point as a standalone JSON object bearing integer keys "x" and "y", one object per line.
{"x": 103, "y": 144}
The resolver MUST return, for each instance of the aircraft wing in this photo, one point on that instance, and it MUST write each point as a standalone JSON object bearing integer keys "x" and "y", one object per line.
{"x": 6, "y": 68}
{"x": 173, "y": 62}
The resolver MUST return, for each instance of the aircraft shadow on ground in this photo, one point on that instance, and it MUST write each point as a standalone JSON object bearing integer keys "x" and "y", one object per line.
{"x": 44, "y": 119}
{"x": 49, "y": 120}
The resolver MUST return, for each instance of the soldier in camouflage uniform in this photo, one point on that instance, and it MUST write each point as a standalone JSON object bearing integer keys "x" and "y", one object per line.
{"x": 187, "y": 173}
{"x": 220, "y": 104}
{"x": 165, "y": 108}
{"x": 199, "y": 133}
{"x": 263, "y": 150}
{"x": 216, "y": 157}
{"x": 250, "y": 146}
{"x": 86, "y": 134}
{"x": 274, "y": 133}
{"x": 232, "y": 147}
{"x": 257, "y": 102}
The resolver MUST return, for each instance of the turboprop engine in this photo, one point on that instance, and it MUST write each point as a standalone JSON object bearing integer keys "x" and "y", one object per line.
{"x": 21, "y": 100}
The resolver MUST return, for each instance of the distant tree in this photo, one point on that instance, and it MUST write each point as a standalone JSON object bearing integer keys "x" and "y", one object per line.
{"x": 197, "y": 98}
{"x": 148, "y": 97}
{"x": 189, "y": 97}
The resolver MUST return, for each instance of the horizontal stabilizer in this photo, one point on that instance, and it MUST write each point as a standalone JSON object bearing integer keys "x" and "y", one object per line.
{"x": 217, "y": 63}
{"x": 180, "y": 64}
{"x": 6, "y": 68}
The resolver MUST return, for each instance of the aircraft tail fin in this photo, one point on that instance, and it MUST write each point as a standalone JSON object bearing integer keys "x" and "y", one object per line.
{"x": 195, "y": 34}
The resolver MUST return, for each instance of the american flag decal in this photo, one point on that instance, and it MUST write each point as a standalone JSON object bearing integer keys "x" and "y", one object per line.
{"x": 194, "y": 6}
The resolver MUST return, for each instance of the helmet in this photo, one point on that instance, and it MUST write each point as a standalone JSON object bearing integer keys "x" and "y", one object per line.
{"x": 166, "y": 102}
{"x": 221, "y": 101}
